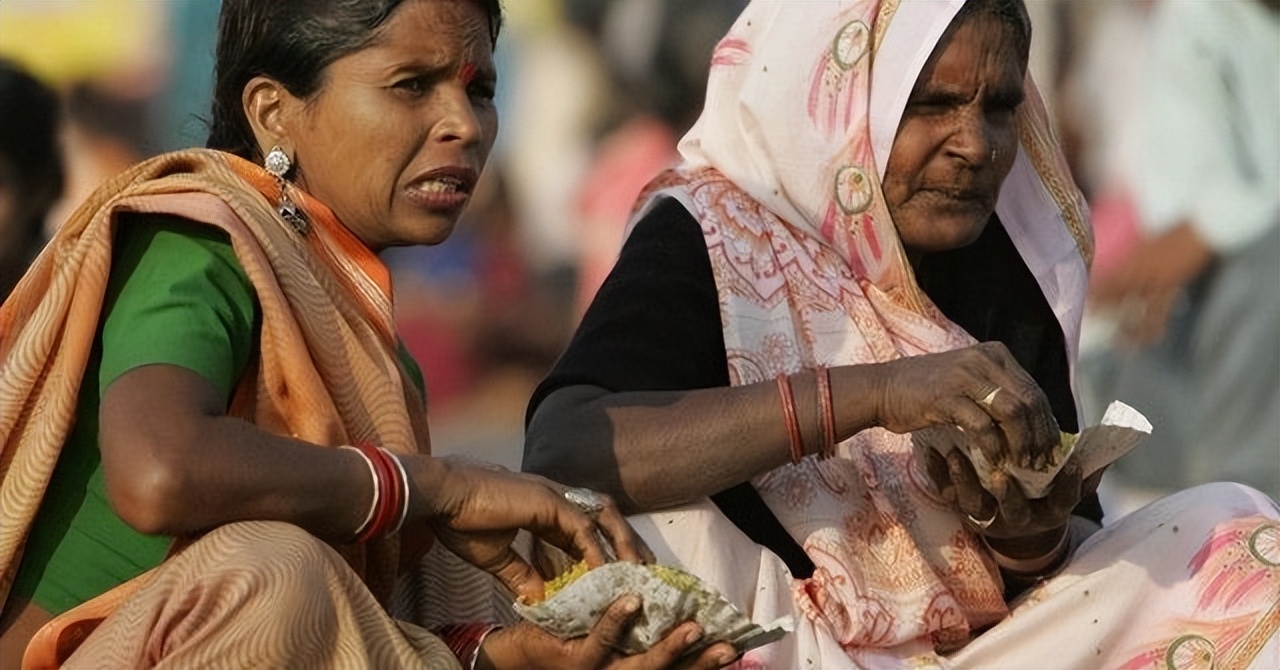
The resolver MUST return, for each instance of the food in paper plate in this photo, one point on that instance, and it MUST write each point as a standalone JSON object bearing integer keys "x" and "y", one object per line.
{"x": 1121, "y": 429}
{"x": 576, "y": 599}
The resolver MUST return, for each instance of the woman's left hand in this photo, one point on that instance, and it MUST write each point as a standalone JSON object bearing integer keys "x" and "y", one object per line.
{"x": 476, "y": 509}
{"x": 528, "y": 647}
{"x": 1001, "y": 511}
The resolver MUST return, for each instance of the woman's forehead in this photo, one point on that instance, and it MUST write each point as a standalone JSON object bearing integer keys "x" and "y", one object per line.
{"x": 970, "y": 42}
{"x": 444, "y": 27}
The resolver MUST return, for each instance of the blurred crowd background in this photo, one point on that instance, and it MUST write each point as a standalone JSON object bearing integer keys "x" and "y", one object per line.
{"x": 1168, "y": 108}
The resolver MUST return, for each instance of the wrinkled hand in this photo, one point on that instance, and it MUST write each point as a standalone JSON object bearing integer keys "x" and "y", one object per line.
{"x": 476, "y": 509}
{"x": 952, "y": 388}
{"x": 1146, "y": 286}
{"x": 527, "y": 646}
{"x": 1012, "y": 514}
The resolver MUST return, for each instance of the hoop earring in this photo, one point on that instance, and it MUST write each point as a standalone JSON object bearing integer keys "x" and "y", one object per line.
{"x": 278, "y": 164}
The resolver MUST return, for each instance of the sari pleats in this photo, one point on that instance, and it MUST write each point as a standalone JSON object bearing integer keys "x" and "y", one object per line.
{"x": 257, "y": 594}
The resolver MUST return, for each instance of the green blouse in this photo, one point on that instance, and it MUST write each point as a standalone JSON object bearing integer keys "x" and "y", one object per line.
{"x": 177, "y": 296}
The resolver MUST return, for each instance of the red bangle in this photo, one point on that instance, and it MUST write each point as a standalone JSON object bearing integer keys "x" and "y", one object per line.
{"x": 464, "y": 640}
{"x": 396, "y": 484}
{"x": 404, "y": 493}
{"x": 789, "y": 414}
{"x": 828, "y": 412}
{"x": 375, "y": 528}
{"x": 392, "y": 509}
{"x": 391, "y": 501}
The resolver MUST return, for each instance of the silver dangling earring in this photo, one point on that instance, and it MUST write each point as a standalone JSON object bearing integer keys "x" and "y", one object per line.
{"x": 278, "y": 164}
{"x": 994, "y": 152}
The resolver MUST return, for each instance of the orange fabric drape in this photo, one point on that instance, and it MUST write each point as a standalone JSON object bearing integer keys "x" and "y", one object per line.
{"x": 327, "y": 370}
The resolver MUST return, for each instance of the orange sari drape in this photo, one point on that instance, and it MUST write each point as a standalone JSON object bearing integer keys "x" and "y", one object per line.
{"x": 326, "y": 371}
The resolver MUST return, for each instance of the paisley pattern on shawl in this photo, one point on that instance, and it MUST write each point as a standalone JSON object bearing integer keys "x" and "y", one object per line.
{"x": 810, "y": 277}
{"x": 783, "y": 171}
{"x": 831, "y": 287}
{"x": 865, "y": 515}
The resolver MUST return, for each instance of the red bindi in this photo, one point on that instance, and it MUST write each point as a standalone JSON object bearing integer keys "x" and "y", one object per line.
{"x": 467, "y": 73}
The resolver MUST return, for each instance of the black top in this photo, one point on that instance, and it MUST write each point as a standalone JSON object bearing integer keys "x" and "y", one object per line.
{"x": 654, "y": 325}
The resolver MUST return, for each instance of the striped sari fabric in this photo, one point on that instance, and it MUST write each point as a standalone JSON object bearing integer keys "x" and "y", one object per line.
{"x": 326, "y": 372}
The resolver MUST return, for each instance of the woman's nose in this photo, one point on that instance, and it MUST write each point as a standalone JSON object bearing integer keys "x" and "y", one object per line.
{"x": 970, "y": 140}
{"x": 458, "y": 121}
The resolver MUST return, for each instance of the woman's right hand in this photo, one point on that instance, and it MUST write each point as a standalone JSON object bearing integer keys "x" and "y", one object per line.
{"x": 982, "y": 390}
{"x": 527, "y": 646}
{"x": 475, "y": 509}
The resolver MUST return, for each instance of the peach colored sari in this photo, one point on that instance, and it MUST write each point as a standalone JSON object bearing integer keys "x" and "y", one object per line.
{"x": 783, "y": 171}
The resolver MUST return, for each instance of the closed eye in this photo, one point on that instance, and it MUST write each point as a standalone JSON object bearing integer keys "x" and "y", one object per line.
{"x": 1006, "y": 102}
{"x": 929, "y": 103}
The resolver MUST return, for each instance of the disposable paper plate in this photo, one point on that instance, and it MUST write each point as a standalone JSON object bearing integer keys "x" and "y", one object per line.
{"x": 670, "y": 597}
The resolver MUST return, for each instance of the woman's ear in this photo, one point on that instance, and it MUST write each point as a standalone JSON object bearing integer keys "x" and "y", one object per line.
{"x": 267, "y": 107}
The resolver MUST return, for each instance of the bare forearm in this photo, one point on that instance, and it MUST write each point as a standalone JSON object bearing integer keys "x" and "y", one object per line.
{"x": 653, "y": 450}
{"x": 656, "y": 449}
{"x": 236, "y": 473}
{"x": 243, "y": 473}
{"x": 174, "y": 463}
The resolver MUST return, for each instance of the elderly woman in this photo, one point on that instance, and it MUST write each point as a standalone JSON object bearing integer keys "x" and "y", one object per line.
{"x": 184, "y": 359}
{"x": 872, "y": 235}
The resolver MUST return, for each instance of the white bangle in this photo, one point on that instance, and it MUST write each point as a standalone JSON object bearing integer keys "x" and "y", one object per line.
{"x": 475, "y": 653}
{"x": 368, "y": 519}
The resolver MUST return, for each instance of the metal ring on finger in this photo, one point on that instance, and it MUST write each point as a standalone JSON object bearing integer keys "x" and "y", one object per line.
{"x": 990, "y": 398}
{"x": 590, "y": 502}
{"x": 982, "y": 524}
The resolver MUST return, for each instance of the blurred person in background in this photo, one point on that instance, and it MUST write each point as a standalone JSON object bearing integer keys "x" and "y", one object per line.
{"x": 1186, "y": 294}
{"x": 210, "y": 425}
{"x": 657, "y": 54}
{"x": 1100, "y": 75}
{"x": 106, "y": 58}
{"x": 558, "y": 93}
{"x": 104, "y": 133}
{"x": 31, "y": 171}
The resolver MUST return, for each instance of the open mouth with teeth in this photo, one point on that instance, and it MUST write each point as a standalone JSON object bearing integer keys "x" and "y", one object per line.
{"x": 444, "y": 194}
{"x": 442, "y": 185}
